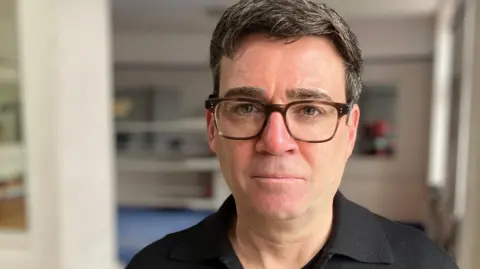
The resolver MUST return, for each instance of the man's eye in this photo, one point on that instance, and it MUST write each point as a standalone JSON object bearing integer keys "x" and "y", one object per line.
{"x": 311, "y": 111}
{"x": 245, "y": 108}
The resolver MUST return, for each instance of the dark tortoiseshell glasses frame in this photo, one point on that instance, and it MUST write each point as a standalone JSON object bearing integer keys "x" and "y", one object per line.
{"x": 341, "y": 108}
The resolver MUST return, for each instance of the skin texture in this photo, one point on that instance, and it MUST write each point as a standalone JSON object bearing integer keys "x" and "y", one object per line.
{"x": 283, "y": 188}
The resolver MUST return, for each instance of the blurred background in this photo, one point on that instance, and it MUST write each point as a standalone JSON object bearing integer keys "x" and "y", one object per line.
{"x": 103, "y": 146}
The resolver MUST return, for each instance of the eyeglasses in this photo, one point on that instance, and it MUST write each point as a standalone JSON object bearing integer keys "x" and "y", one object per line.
{"x": 307, "y": 120}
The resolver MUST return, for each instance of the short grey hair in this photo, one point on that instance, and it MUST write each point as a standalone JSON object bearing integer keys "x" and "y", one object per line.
{"x": 286, "y": 20}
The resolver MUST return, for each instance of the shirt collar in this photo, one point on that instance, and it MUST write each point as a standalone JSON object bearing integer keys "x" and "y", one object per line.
{"x": 356, "y": 233}
{"x": 208, "y": 240}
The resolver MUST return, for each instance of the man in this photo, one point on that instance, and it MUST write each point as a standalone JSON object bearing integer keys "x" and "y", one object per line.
{"x": 282, "y": 121}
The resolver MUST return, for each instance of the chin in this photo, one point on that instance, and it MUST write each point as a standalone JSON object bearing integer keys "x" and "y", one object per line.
{"x": 280, "y": 207}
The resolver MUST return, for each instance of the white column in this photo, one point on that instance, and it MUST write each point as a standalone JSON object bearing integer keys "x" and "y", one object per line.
{"x": 441, "y": 100}
{"x": 84, "y": 134}
{"x": 469, "y": 237}
{"x": 66, "y": 92}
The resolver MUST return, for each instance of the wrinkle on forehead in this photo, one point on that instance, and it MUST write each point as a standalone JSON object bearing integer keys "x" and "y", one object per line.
{"x": 309, "y": 62}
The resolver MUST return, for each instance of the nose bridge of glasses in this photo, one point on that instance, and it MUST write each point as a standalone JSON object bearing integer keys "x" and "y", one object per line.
{"x": 270, "y": 109}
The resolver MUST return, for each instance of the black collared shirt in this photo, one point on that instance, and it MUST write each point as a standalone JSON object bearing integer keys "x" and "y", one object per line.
{"x": 359, "y": 240}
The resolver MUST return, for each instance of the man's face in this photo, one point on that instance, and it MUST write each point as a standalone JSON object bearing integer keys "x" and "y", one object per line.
{"x": 274, "y": 174}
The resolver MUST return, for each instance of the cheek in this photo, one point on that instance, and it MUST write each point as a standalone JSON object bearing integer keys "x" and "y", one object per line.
{"x": 318, "y": 156}
{"x": 325, "y": 159}
{"x": 234, "y": 155}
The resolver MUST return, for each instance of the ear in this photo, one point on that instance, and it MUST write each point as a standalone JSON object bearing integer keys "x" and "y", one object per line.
{"x": 353, "y": 120}
{"x": 211, "y": 131}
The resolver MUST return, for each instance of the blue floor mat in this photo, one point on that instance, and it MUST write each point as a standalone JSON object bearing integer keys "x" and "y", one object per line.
{"x": 139, "y": 227}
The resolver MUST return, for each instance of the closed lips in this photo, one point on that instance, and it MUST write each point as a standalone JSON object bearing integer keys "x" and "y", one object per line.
{"x": 277, "y": 176}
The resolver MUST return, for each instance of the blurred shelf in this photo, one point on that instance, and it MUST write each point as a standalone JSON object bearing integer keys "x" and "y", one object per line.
{"x": 181, "y": 125}
{"x": 168, "y": 189}
{"x": 132, "y": 163}
{"x": 373, "y": 159}
{"x": 365, "y": 167}
{"x": 11, "y": 161}
{"x": 168, "y": 202}
{"x": 11, "y": 192}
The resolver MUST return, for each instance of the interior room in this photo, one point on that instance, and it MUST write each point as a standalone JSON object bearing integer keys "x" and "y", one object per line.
{"x": 103, "y": 138}
{"x": 166, "y": 174}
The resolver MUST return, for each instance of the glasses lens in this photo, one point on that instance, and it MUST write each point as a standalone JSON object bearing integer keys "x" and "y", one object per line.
{"x": 239, "y": 119}
{"x": 312, "y": 121}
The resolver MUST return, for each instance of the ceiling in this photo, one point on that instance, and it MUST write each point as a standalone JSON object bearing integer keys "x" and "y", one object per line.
{"x": 192, "y": 16}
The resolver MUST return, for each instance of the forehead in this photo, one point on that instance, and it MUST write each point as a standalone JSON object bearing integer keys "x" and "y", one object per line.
{"x": 277, "y": 66}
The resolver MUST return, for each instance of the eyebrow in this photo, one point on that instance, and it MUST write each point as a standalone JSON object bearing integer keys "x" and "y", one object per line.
{"x": 251, "y": 92}
{"x": 295, "y": 94}
{"x": 308, "y": 93}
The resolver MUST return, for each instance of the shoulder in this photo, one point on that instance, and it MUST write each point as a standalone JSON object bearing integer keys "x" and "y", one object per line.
{"x": 157, "y": 254}
{"x": 412, "y": 247}
{"x": 196, "y": 245}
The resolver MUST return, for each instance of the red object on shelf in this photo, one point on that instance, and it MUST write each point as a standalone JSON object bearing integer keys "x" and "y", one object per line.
{"x": 380, "y": 128}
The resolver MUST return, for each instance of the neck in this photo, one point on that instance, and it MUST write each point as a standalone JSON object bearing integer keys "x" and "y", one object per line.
{"x": 266, "y": 243}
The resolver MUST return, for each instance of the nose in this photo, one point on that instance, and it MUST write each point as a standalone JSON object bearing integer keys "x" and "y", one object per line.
{"x": 275, "y": 139}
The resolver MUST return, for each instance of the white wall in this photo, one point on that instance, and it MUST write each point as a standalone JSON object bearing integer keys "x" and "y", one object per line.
{"x": 469, "y": 234}
{"x": 378, "y": 38}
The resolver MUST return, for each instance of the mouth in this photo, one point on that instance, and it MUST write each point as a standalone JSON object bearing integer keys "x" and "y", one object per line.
{"x": 279, "y": 178}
